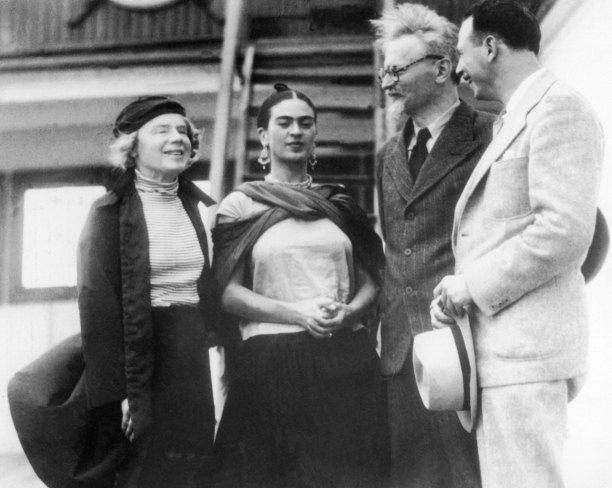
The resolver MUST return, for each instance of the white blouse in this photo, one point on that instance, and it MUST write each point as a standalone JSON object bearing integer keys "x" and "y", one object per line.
{"x": 294, "y": 260}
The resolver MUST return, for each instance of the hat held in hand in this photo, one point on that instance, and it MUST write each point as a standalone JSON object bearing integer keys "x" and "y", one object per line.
{"x": 445, "y": 370}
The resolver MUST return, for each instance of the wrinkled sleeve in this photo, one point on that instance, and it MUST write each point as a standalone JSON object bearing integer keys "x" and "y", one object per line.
{"x": 564, "y": 168}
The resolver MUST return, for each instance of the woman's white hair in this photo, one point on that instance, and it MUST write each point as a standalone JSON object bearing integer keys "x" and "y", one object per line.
{"x": 123, "y": 150}
{"x": 437, "y": 32}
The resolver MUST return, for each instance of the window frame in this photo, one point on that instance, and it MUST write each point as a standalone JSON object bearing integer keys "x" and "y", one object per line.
{"x": 21, "y": 182}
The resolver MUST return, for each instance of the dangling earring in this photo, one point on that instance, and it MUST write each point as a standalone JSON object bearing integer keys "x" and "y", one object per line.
{"x": 264, "y": 158}
{"x": 312, "y": 159}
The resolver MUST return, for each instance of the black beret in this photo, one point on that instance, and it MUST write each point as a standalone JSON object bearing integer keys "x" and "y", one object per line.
{"x": 140, "y": 111}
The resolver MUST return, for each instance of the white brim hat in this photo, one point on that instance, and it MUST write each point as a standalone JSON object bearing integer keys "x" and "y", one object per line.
{"x": 445, "y": 370}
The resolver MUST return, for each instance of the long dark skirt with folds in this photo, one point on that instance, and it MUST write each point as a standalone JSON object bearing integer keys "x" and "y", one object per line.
{"x": 177, "y": 450}
{"x": 304, "y": 412}
{"x": 71, "y": 446}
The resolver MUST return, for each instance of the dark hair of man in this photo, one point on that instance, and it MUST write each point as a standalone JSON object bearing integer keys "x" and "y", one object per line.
{"x": 283, "y": 92}
{"x": 509, "y": 20}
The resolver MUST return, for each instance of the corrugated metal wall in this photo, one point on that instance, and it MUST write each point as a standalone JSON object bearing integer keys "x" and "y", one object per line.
{"x": 41, "y": 26}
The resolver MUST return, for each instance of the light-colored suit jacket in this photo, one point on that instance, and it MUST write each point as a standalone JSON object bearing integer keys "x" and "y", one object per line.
{"x": 521, "y": 229}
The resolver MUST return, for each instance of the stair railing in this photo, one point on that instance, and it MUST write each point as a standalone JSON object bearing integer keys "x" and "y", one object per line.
{"x": 242, "y": 129}
{"x": 231, "y": 32}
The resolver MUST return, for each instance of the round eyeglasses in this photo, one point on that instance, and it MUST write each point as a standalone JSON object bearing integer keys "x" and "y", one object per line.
{"x": 395, "y": 72}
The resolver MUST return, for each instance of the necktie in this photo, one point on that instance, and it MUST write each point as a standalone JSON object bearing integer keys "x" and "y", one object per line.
{"x": 418, "y": 153}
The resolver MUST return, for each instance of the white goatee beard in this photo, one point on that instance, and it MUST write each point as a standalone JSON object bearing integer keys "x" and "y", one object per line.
{"x": 396, "y": 115}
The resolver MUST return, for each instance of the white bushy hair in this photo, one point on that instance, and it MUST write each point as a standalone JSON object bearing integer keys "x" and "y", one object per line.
{"x": 437, "y": 32}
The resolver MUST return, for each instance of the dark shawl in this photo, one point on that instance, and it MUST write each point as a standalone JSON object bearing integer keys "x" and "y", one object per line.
{"x": 234, "y": 241}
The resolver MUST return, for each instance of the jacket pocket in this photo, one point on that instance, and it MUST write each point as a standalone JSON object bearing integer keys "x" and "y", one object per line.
{"x": 506, "y": 193}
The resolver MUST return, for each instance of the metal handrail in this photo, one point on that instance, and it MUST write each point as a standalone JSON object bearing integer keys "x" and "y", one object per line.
{"x": 243, "y": 117}
{"x": 233, "y": 17}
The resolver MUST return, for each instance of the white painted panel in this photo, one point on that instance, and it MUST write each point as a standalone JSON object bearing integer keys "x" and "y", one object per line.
{"x": 52, "y": 222}
{"x": 578, "y": 49}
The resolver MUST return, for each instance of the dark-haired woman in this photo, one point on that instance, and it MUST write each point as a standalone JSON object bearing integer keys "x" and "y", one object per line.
{"x": 299, "y": 265}
{"x": 144, "y": 300}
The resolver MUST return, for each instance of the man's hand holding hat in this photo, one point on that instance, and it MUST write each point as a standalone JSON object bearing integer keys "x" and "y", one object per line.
{"x": 453, "y": 294}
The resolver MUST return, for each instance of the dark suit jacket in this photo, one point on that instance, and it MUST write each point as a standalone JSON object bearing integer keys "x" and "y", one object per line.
{"x": 417, "y": 222}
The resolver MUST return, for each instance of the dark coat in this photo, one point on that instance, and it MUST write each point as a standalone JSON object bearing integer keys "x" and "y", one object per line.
{"x": 417, "y": 221}
{"x": 113, "y": 281}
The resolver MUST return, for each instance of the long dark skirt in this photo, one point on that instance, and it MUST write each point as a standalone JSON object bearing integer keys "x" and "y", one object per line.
{"x": 304, "y": 412}
{"x": 181, "y": 435}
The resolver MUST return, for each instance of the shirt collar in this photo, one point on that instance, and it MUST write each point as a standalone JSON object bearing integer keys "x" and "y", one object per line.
{"x": 437, "y": 126}
{"x": 523, "y": 88}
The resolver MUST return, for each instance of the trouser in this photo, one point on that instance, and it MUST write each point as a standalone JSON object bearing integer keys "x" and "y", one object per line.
{"x": 428, "y": 449}
{"x": 520, "y": 434}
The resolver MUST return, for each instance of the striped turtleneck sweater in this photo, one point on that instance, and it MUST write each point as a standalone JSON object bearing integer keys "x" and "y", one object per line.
{"x": 174, "y": 251}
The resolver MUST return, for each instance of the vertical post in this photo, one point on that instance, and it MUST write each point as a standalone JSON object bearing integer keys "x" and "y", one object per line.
{"x": 242, "y": 131}
{"x": 386, "y": 126}
{"x": 380, "y": 132}
{"x": 380, "y": 117}
{"x": 223, "y": 113}
{"x": 6, "y": 237}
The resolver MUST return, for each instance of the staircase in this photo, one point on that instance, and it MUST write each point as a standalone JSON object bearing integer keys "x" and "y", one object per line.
{"x": 337, "y": 73}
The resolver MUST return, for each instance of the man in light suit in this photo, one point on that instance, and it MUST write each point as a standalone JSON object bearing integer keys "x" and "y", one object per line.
{"x": 522, "y": 227}
{"x": 419, "y": 181}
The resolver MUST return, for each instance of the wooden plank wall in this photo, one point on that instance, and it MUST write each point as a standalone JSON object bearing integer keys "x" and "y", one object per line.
{"x": 29, "y": 27}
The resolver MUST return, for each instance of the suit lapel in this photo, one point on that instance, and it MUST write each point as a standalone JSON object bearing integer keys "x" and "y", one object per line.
{"x": 397, "y": 163}
{"x": 455, "y": 143}
{"x": 513, "y": 125}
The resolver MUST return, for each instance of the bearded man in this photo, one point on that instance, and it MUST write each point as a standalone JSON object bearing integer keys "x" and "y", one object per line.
{"x": 421, "y": 172}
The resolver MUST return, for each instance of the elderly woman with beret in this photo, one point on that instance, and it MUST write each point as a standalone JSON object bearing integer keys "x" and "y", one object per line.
{"x": 144, "y": 301}
{"x": 142, "y": 414}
